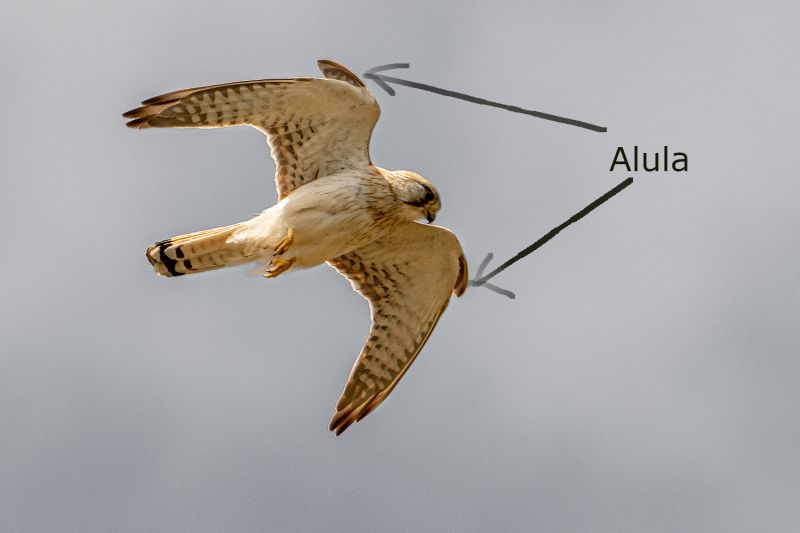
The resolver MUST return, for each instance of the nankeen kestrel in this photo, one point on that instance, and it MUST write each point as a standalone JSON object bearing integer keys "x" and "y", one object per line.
{"x": 333, "y": 206}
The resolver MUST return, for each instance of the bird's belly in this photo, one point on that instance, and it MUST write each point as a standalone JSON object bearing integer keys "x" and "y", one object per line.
{"x": 324, "y": 219}
{"x": 321, "y": 234}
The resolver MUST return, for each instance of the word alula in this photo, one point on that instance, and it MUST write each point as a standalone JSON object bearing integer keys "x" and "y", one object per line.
{"x": 678, "y": 161}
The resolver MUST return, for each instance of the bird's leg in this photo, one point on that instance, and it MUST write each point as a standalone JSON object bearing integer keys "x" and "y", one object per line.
{"x": 285, "y": 243}
{"x": 278, "y": 266}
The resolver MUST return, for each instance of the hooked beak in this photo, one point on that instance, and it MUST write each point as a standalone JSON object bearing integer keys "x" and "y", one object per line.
{"x": 430, "y": 216}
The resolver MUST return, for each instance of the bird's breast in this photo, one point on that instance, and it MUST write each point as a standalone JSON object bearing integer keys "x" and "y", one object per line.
{"x": 332, "y": 216}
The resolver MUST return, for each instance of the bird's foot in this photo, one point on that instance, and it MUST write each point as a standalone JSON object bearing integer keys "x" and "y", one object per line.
{"x": 285, "y": 243}
{"x": 278, "y": 266}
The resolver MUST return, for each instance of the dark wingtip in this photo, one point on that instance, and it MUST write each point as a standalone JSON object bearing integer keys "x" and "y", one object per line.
{"x": 174, "y": 96}
{"x": 139, "y": 112}
{"x": 151, "y": 101}
{"x": 139, "y": 123}
{"x": 339, "y": 422}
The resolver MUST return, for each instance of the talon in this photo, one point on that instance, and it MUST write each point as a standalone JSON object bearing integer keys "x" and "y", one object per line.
{"x": 285, "y": 242}
{"x": 279, "y": 266}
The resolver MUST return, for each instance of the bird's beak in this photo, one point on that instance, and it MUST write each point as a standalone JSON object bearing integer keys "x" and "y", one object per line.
{"x": 430, "y": 216}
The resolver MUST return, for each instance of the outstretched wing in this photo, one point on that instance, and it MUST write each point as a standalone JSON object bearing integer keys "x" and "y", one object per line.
{"x": 315, "y": 126}
{"x": 407, "y": 278}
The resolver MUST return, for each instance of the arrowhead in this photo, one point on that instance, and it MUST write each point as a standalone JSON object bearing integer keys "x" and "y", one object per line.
{"x": 478, "y": 281}
{"x": 498, "y": 290}
{"x": 390, "y": 66}
{"x": 483, "y": 265}
{"x": 371, "y": 74}
{"x": 382, "y": 84}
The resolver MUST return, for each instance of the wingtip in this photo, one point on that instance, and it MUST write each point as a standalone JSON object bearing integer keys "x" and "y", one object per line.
{"x": 139, "y": 123}
{"x": 153, "y": 100}
{"x": 344, "y": 417}
{"x": 339, "y": 423}
{"x": 139, "y": 112}
{"x": 164, "y": 98}
{"x": 140, "y": 116}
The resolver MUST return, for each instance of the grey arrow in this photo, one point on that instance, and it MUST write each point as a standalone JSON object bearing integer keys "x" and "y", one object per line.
{"x": 481, "y": 281}
{"x": 383, "y": 81}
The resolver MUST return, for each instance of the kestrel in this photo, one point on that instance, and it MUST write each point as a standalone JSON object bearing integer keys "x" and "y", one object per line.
{"x": 333, "y": 206}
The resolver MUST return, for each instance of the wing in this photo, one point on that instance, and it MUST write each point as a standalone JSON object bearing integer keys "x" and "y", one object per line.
{"x": 407, "y": 278}
{"x": 315, "y": 126}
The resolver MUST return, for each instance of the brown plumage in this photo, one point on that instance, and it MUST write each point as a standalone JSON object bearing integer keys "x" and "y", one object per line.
{"x": 334, "y": 206}
{"x": 198, "y": 252}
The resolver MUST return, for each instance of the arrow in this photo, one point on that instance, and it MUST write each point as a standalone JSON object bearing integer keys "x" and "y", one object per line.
{"x": 383, "y": 82}
{"x": 478, "y": 282}
{"x": 481, "y": 280}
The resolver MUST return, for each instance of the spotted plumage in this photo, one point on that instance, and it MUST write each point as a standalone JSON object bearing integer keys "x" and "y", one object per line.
{"x": 333, "y": 206}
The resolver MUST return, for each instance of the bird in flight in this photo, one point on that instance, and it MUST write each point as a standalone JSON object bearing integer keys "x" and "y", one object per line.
{"x": 333, "y": 206}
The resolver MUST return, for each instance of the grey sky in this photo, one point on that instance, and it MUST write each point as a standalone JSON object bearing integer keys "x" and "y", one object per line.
{"x": 646, "y": 378}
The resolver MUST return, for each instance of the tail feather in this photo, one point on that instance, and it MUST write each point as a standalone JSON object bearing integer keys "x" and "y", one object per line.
{"x": 198, "y": 252}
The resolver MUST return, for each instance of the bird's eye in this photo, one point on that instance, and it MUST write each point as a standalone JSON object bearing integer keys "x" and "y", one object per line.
{"x": 429, "y": 197}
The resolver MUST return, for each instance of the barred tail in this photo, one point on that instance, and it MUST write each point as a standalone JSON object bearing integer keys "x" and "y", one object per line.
{"x": 198, "y": 252}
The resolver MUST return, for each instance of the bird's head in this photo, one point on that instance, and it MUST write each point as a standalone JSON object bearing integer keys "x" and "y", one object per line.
{"x": 417, "y": 193}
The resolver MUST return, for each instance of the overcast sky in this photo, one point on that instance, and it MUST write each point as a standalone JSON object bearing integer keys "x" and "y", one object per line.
{"x": 646, "y": 378}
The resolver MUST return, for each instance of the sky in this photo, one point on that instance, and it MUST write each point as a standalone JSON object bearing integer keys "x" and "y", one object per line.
{"x": 646, "y": 377}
